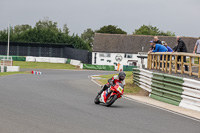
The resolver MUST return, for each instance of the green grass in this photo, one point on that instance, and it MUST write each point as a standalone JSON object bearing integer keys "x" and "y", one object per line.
{"x": 37, "y": 65}
{"x": 129, "y": 88}
{"x": 12, "y": 73}
{"x": 195, "y": 60}
{"x": 43, "y": 65}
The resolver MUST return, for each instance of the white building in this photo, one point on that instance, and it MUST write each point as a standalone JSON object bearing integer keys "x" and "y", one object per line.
{"x": 109, "y": 49}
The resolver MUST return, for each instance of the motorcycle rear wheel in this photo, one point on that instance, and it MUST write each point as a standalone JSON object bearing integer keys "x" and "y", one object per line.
{"x": 111, "y": 100}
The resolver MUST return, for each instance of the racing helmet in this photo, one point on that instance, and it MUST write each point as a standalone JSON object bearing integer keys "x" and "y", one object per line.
{"x": 122, "y": 76}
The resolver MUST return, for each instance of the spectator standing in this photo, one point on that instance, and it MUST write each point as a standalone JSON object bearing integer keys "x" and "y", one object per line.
{"x": 156, "y": 40}
{"x": 181, "y": 47}
{"x": 197, "y": 47}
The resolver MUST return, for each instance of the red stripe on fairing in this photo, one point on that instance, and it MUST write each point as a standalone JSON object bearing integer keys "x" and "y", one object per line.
{"x": 104, "y": 96}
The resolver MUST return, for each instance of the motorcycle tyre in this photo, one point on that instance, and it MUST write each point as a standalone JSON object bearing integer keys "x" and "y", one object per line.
{"x": 96, "y": 100}
{"x": 108, "y": 104}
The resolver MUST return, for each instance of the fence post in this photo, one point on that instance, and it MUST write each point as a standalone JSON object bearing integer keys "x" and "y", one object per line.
{"x": 190, "y": 69}
{"x": 182, "y": 70}
{"x": 150, "y": 62}
{"x": 199, "y": 67}
{"x": 159, "y": 62}
{"x": 163, "y": 63}
{"x": 176, "y": 60}
{"x": 170, "y": 65}
{"x": 147, "y": 61}
{"x": 153, "y": 62}
{"x": 166, "y": 62}
{"x": 156, "y": 61}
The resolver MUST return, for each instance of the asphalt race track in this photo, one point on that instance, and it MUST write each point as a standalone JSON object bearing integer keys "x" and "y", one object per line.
{"x": 61, "y": 101}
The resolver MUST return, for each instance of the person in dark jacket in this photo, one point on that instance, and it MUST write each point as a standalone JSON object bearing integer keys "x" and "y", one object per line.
{"x": 156, "y": 40}
{"x": 181, "y": 47}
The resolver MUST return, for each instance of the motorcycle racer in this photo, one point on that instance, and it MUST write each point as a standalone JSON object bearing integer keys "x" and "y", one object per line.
{"x": 112, "y": 81}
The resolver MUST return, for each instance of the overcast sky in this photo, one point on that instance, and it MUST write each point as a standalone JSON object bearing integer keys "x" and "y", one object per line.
{"x": 179, "y": 16}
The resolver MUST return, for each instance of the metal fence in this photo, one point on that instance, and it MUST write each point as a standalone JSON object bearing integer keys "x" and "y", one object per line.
{"x": 46, "y": 50}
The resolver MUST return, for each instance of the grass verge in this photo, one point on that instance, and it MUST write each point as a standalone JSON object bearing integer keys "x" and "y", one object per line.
{"x": 43, "y": 65}
{"x": 12, "y": 73}
{"x": 129, "y": 88}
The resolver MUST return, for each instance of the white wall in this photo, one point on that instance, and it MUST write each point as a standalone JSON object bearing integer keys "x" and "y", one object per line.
{"x": 113, "y": 60}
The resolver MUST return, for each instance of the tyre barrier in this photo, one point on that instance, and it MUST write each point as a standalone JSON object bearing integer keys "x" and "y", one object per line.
{"x": 174, "y": 90}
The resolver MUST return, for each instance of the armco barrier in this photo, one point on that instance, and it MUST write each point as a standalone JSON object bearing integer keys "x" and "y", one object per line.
{"x": 99, "y": 67}
{"x": 170, "y": 89}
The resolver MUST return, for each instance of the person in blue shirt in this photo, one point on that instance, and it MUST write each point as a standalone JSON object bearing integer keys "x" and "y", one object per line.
{"x": 168, "y": 48}
{"x": 158, "y": 48}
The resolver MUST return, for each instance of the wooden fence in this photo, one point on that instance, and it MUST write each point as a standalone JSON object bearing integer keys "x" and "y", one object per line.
{"x": 168, "y": 62}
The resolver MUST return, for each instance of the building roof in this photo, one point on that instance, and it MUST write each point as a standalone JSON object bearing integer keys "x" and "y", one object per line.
{"x": 121, "y": 43}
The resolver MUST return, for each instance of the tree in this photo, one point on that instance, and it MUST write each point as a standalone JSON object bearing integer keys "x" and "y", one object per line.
{"x": 46, "y": 24}
{"x": 78, "y": 43}
{"x": 3, "y": 35}
{"x": 21, "y": 28}
{"x": 111, "y": 29}
{"x": 44, "y": 31}
{"x": 147, "y": 30}
{"x": 167, "y": 33}
{"x": 150, "y": 30}
{"x": 65, "y": 29}
{"x": 88, "y": 36}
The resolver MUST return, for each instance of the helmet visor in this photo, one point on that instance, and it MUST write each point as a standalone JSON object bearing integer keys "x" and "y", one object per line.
{"x": 121, "y": 77}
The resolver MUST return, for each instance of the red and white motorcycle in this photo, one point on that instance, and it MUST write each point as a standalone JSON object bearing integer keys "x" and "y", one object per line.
{"x": 109, "y": 96}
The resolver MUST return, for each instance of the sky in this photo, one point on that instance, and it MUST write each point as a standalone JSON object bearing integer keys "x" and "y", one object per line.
{"x": 179, "y": 16}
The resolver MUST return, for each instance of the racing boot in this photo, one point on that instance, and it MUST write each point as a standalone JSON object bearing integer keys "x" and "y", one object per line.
{"x": 105, "y": 87}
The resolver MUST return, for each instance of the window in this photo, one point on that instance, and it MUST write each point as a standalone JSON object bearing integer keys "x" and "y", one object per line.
{"x": 128, "y": 56}
{"x": 104, "y": 55}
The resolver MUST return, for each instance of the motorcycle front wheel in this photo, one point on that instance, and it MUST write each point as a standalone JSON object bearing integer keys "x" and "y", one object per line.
{"x": 111, "y": 100}
{"x": 96, "y": 100}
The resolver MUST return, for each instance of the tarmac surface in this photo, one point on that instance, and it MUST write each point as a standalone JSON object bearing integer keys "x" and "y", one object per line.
{"x": 61, "y": 101}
